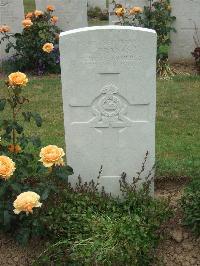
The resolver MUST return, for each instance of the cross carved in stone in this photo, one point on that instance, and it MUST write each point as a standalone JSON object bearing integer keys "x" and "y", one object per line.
{"x": 111, "y": 110}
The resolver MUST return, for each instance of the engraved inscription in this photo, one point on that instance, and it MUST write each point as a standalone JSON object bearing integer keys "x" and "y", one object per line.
{"x": 3, "y": 3}
{"x": 109, "y": 52}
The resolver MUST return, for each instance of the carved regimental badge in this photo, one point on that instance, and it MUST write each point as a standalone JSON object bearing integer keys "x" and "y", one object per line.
{"x": 110, "y": 109}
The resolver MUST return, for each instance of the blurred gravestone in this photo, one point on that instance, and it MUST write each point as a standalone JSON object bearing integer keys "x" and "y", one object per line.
{"x": 11, "y": 14}
{"x": 71, "y": 14}
{"x": 109, "y": 97}
{"x": 97, "y": 3}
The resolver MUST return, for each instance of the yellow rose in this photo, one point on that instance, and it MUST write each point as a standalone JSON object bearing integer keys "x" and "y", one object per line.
{"x": 17, "y": 79}
{"x": 4, "y": 29}
{"x": 26, "y": 201}
{"x": 135, "y": 10}
{"x": 29, "y": 15}
{"x": 27, "y": 23}
{"x": 120, "y": 11}
{"x": 48, "y": 47}
{"x": 54, "y": 19}
{"x": 51, "y": 155}
{"x": 50, "y": 8}
{"x": 14, "y": 148}
{"x": 7, "y": 167}
{"x": 38, "y": 13}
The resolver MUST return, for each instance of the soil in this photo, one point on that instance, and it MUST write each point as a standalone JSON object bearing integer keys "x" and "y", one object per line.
{"x": 12, "y": 254}
{"x": 184, "y": 68}
{"x": 178, "y": 248}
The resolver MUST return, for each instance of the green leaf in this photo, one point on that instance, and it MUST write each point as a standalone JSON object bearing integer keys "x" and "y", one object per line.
{"x": 6, "y": 218}
{"x": 27, "y": 116}
{"x": 63, "y": 172}
{"x": 18, "y": 127}
{"x": 45, "y": 194}
{"x": 2, "y": 104}
{"x": 16, "y": 187}
{"x": 38, "y": 119}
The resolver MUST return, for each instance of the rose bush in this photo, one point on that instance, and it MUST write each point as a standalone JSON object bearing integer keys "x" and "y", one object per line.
{"x": 36, "y": 48}
{"x": 157, "y": 15}
{"x": 24, "y": 177}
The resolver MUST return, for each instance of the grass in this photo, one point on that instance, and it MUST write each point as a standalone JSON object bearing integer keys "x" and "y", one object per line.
{"x": 177, "y": 131}
{"x": 177, "y": 128}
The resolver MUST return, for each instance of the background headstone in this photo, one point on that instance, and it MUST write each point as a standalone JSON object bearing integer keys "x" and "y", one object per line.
{"x": 109, "y": 97}
{"x": 187, "y": 13}
{"x": 97, "y": 3}
{"x": 72, "y": 14}
{"x": 11, "y": 14}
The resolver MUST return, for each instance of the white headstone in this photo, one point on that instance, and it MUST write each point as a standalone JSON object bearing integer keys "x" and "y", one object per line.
{"x": 72, "y": 14}
{"x": 97, "y": 3}
{"x": 11, "y": 14}
{"x": 109, "y": 97}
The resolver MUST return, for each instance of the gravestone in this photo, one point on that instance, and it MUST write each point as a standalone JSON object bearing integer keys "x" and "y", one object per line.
{"x": 71, "y": 14}
{"x": 109, "y": 98}
{"x": 113, "y": 19}
{"x": 11, "y": 14}
{"x": 97, "y": 3}
{"x": 187, "y": 13}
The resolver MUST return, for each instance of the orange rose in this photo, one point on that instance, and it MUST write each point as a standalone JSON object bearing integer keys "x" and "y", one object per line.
{"x": 48, "y": 47}
{"x": 26, "y": 201}
{"x": 54, "y": 19}
{"x": 52, "y": 155}
{"x": 120, "y": 11}
{"x": 14, "y": 148}
{"x": 17, "y": 79}
{"x": 29, "y": 15}
{"x": 135, "y": 10}
{"x": 27, "y": 23}
{"x": 4, "y": 29}
{"x": 38, "y": 13}
{"x": 50, "y": 8}
{"x": 7, "y": 167}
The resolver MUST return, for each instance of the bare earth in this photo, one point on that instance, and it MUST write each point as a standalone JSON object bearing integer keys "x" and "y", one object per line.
{"x": 178, "y": 248}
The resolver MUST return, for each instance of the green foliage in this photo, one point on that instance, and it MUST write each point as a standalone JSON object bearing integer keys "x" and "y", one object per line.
{"x": 91, "y": 228}
{"x": 27, "y": 45}
{"x": 157, "y": 16}
{"x": 30, "y": 174}
{"x": 97, "y": 13}
{"x": 191, "y": 206}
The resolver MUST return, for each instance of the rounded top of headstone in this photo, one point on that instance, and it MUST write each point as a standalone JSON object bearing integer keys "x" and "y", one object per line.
{"x": 109, "y": 27}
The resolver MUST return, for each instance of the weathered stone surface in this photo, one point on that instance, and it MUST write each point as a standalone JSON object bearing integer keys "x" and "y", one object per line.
{"x": 187, "y": 13}
{"x": 11, "y": 14}
{"x": 72, "y": 14}
{"x": 109, "y": 91}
